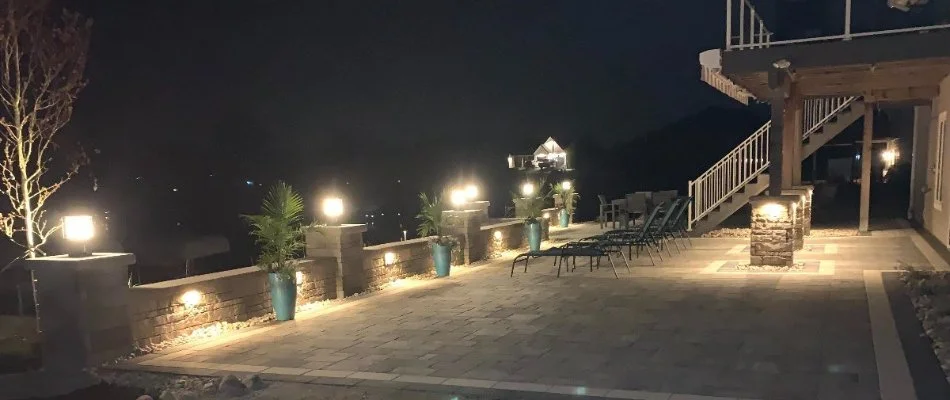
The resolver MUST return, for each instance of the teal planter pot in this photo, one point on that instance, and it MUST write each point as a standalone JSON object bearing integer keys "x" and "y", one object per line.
{"x": 283, "y": 296}
{"x": 533, "y": 231}
{"x": 565, "y": 218}
{"x": 442, "y": 255}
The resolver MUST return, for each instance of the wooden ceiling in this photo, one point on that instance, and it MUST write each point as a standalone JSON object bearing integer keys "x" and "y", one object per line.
{"x": 885, "y": 81}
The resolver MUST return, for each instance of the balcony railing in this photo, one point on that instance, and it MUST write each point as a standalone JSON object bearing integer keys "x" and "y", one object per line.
{"x": 745, "y": 28}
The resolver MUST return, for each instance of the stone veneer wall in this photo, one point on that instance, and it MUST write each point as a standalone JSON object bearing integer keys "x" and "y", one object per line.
{"x": 410, "y": 257}
{"x": 512, "y": 237}
{"x": 157, "y": 313}
{"x": 773, "y": 230}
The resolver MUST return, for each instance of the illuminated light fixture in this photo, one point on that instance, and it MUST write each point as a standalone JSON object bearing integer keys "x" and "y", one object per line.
{"x": 333, "y": 208}
{"x": 773, "y": 211}
{"x": 471, "y": 191}
{"x": 497, "y": 235}
{"x": 458, "y": 197}
{"x": 511, "y": 162}
{"x": 299, "y": 276}
{"x": 547, "y": 215}
{"x": 566, "y": 185}
{"x": 78, "y": 229}
{"x": 889, "y": 156}
{"x": 389, "y": 258}
{"x": 527, "y": 189}
{"x": 191, "y": 298}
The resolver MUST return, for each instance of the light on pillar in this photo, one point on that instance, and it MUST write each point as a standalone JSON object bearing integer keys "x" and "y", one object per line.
{"x": 471, "y": 192}
{"x": 566, "y": 185}
{"x": 78, "y": 229}
{"x": 458, "y": 197}
{"x": 527, "y": 189}
{"x": 333, "y": 209}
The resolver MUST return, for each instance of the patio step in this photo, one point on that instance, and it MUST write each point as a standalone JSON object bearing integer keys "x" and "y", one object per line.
{"x": 827, "y": 131}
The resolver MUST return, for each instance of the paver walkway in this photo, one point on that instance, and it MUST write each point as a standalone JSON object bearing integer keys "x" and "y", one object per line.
{"x": 661, "y": 330}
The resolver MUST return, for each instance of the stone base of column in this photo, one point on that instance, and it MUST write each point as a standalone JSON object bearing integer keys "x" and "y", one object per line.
{"x": 799, "y": 229}
{"x": 345, "y": 243}
{"x": 773, "y": 230}
{"x": 806, "y": 207}
{"x": 466, "y": 226}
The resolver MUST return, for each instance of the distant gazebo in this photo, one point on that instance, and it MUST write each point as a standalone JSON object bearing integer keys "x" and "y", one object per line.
{"x": 549, "y": 156}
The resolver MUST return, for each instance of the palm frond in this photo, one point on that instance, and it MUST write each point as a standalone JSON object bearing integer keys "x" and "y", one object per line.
{"x": 277, "y": 229}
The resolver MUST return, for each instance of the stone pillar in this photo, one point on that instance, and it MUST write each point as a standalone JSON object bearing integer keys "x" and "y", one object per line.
{"x": 773, "y": 225}
{"x": 82, "y": 309}
{"x": 467, "y": 226}
{"x": 799, "y": 222}
{"x": 805, "y": 209}
{"x": 482, "y": 208}
{"x": 345, "y": 243}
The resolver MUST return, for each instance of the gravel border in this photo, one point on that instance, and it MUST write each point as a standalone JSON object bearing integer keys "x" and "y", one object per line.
{"x": 929, "y": 291}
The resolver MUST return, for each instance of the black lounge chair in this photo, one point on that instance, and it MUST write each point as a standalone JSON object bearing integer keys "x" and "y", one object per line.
{"x": 560, "y": 253}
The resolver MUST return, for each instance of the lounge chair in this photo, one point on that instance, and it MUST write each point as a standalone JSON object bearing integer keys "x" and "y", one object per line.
{"x": 560, "y": 253}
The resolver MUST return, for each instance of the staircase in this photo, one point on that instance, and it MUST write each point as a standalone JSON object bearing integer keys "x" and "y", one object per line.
{"x": 727, "y": 186}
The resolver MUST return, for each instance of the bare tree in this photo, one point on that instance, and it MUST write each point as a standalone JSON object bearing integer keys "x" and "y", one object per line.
{"x": 42, "y": 58}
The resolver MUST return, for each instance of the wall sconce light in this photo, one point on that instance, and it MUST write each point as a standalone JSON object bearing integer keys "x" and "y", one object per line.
{"x": 299, "y": 276}
{"x": 471, "y": 192}
{"x": 889, "y": 156}
{"x": 773, "y": 211}
{"x": 547, "y": 216}
{"x": 458, "y": 197}
{"x": 527, "y": 189}
{"x": 333, "y": 208}
{"x": 78, "y": 229}
{"x": 389, "y": 258}
{"x": 497, "y": 235}
{"x": 191, "y": 298}
{"x": 566, "y": 185}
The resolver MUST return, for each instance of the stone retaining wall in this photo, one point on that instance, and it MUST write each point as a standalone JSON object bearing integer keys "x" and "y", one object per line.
{"x": 512, "y": 237}
{"x": 158, "y": 313}
{"x": 407, "y": 258}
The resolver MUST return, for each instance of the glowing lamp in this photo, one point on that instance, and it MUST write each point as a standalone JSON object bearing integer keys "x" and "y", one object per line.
{"x": 773, "y": 211}
{"x": 77, "y": 228}
{"x": 299, "y": 277}
{"x": 191, "y": 298}
{"x": 566, "y": 185}
{"x": 471, "y": 192}
{"x": 547, "y": 215}
{"x": 889, "y": 156}
{"x": 527, "y": 189}
{"x": 389, "y": 258}
{"x": 497, "y": 235}
{"x": 333, "y": 207}
{"x": 458, "y": 197}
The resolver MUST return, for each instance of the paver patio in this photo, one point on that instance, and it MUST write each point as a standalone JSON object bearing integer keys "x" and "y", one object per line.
{"x": 663, "y": 330}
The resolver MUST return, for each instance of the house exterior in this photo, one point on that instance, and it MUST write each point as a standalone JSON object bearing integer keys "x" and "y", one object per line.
{"x": 816, "y": 87}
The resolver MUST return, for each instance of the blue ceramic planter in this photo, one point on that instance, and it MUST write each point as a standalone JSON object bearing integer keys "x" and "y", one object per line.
{"x": 533, "y": 231}
{"x": 283, "y": 296}
{"x": 564, "y": 218}
{"x": 442, "y": 255}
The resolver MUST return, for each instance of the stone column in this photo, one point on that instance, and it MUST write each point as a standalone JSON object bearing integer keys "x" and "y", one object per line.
{"x": 481, "y": 207}
{"x": 805, "y": 209}
{"x": 345, "y": 243}
{"x": 82, "y": 309}
{"x": 553, "y": 218}
{"x": 773, "y": 225}
{"x": 799, "y": 221}
{"x": 467, "y": 226}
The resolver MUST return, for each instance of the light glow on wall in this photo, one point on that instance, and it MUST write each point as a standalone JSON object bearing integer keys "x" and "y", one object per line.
{"x": 78, "y": 228}
{"x": 389, "y": 258}
{"x": 191, "y": 298}
{"x": 773, "y": 211}
{"x": 299, "y": 276}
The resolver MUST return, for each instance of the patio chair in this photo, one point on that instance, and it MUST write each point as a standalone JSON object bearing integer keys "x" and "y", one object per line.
{"x": 638, "y": 239}
{"x": 678, "y": 226}
{"x": 636, "y": 203}
{"x": 607, "y": 210}
{"x": 562, "y": 252}
{"x": 660, "y": 234}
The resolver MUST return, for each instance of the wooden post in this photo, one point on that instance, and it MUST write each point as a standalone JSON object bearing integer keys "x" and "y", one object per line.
{"x": 777, "y": 79}
{"x": 866, "y": 156}
{"x": 792, "y": 139}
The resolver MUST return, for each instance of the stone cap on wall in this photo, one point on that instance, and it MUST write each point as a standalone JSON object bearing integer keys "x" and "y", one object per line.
{"x": 390, "y": 245}
{"x": 502, "y": 224}
{"x": 785, "y": 199}
{"x": 91, "y": 261}
{"x": 191, "y": 280}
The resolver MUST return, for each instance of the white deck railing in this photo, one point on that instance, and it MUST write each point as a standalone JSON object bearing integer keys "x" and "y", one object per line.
{"x": 745, "y": 28}
{"x": 751, "y": 157}
{"x": 719, "y": 81}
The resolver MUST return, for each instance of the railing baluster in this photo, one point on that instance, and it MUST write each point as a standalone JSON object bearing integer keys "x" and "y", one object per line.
{"x": 742, "y": 22}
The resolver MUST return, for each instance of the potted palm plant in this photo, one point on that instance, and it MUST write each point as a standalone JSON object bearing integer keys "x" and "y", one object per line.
{"x": 530, "y": 207}
{"x": 277, "y": 231}
{"x": 567, "y": 196}
{"x": 430, "y": 224}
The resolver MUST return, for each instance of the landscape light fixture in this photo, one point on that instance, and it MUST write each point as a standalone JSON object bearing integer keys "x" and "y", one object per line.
{"x": 566, "y": 185}
{"x": 389, "y": 258}
{"x": 299, "y": 277}
{"x": 333, "y": 208}
{"x": 471, "y": 192}
{"x": 191, "y": 298}
{"x": 78, "y": 229}
{"x": 889, "y": 156}
{"x": 527, "y": 189}
{"x": 497, "y": 235}
{"x": 773, "y": 211}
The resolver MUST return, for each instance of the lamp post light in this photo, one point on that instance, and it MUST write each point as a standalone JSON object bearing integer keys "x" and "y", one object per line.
{"x": 527, "y": 189}
{"x": 78, "y": 229}
{"x": 566, "y": 185}
{"x": 458, "y": 198}
{"x": 471, "y": 192}
{"x": 333, "y": 209}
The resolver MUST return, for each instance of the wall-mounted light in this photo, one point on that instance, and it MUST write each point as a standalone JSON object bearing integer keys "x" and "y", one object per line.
{"x": 471, "y": 192}
{"x": 566, "y": 185}
{"x": 191, "y": 298}
{"x": 78, "y": 229}
{"x": 497, "y": 235}
{"x": 546, "y": 215}
{"x": 889, "y": 156}
{"x": 333, "y": 208}
{"x": 389, "y": 258}
{"x": 773, "y": 211}
{"x": 299, "y": 277}
{"x": 527, "y": 189}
